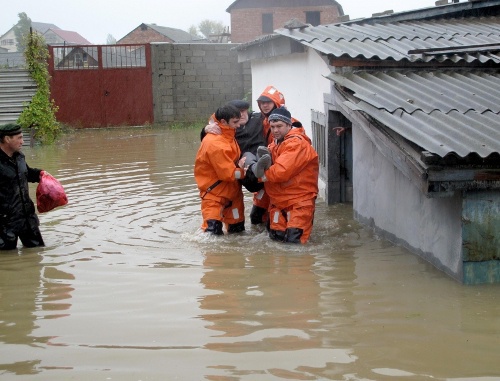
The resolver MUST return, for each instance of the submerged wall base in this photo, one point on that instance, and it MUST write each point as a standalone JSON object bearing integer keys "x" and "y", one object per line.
{"x": 481, "y": 272}
{"x": 459, "y": 235}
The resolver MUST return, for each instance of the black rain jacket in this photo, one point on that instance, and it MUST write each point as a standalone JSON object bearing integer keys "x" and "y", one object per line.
{"x": 17, "y": 210}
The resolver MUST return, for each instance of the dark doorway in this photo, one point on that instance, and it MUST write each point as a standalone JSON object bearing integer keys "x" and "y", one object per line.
{"x": 339, "y": 164}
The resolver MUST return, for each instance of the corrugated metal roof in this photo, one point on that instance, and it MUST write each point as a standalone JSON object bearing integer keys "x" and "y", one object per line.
{"x": 396, "y": 40}
{"x": 444, "y": 112}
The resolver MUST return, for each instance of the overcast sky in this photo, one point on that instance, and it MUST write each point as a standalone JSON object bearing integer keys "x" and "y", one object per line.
{"x": 95, "y": 19}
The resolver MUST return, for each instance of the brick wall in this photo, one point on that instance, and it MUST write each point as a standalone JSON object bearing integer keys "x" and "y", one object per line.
{"x": 190, "y": 81}
{"x": 246, "y": 24}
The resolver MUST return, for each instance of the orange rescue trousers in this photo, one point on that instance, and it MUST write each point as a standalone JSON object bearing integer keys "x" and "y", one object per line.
{"x": 292, "y": 224}
{"x": 259, "y": 213}
{"x": 230, "y": 212}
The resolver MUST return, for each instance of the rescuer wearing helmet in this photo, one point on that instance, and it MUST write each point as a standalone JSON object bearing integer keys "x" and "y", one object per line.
{"x": 255, "y": 133}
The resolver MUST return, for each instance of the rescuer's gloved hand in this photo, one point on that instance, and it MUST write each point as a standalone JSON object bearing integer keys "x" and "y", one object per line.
{"x": 250, "y": 159}
{"x": 262, "y": 165}
{"x": 261, "y": 151}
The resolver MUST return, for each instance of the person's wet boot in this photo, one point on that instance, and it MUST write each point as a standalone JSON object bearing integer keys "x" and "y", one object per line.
{"x": 214, "y": 227}
{"x": 236, "y": 228}
{"x": 257, "y": 215}
{"x": 292, "y": 235}
{"x": 8, "y": 241}
{"x": 277, "y": 235}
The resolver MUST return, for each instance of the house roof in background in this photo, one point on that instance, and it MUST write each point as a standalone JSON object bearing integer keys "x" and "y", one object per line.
{"x": 468, "y": 40}
{"x": 176, "y": 35}
{"x": 70, "y": 37}
{"x": 42, "y": 27}
{"x": 446, "y": 112}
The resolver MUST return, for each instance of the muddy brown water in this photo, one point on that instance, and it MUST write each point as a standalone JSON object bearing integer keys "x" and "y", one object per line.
{"x": 128, "y": 288}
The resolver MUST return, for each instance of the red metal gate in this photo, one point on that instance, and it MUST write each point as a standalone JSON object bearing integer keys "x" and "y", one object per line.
{"x": 102, "y": 85}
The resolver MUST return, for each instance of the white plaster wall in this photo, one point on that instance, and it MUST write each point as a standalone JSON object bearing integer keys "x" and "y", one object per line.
{"x": 300, "y": 77}
{"x": 10, "y": 35}
{"x": 389, "y": 202}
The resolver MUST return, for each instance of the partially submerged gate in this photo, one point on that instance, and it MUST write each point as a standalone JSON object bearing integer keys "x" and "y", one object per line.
{"x": 102, "y": 85}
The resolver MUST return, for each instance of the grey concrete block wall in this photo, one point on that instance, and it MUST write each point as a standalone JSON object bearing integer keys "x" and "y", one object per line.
{"x": 191, "y": 80}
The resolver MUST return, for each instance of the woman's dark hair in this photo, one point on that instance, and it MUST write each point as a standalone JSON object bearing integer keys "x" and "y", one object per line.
{"x": 227, "y": 112}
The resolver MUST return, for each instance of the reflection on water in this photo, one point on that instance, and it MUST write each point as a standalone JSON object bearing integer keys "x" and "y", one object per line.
{"x": 128, "y": 288}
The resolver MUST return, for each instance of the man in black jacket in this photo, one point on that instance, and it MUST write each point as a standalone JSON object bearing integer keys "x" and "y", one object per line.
{"x": 249, "y": 137}
{"x": 17, "y": 211}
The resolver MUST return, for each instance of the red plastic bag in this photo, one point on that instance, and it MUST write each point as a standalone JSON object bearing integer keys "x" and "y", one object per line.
{"x": 49, "y": 193}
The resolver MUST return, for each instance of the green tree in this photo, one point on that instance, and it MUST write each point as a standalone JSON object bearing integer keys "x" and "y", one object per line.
{"x": 21, "y": 29}
{"x": 40, "y": 112}
{"x": 209, "y": 28}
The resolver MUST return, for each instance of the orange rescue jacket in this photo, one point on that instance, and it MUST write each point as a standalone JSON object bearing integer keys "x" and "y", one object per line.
{"x": 217, "y": 159}
{"x": 293, "y": 176}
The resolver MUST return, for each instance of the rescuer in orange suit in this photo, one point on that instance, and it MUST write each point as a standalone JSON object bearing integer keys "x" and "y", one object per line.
{"x": 269, "y": 100}
{"x": 290, "y": 174}
{"x": 254, "y": 133}
{"x": 216, "y": 173}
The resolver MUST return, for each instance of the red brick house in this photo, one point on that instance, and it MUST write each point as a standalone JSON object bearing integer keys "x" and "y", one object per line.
{"x": 145, "y": 33}
{"x": 251, "y": 19}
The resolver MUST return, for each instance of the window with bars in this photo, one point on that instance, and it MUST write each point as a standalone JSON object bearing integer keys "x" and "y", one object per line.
{"x": 320, "y": 142}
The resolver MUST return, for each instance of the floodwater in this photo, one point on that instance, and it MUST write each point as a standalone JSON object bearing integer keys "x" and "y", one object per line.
{"x": 128, "y": 288}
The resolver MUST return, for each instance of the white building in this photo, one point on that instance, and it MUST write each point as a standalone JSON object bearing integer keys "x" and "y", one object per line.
{"x": 414, "y": 97}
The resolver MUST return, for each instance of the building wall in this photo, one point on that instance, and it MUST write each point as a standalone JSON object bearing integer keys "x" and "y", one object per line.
{"x": 300, "y": 77}
{"x": 481, "y": 236}
{"x": 388, "y": 202}
{"x": 11, "y": 60}
{"x": 139, "y": 36}
{"x": 190, "y": 81}
{"x": 8, "y": 41}
{"x": 246, "y": 24}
